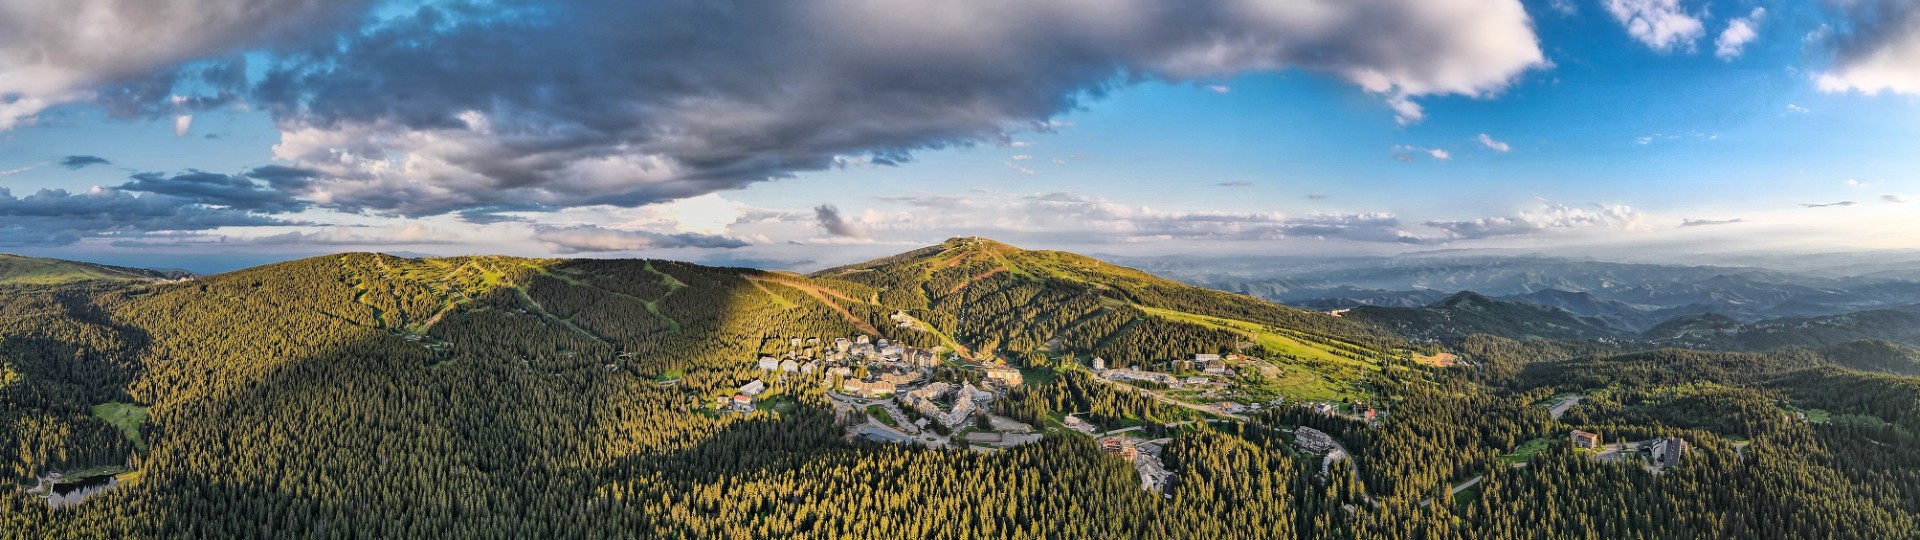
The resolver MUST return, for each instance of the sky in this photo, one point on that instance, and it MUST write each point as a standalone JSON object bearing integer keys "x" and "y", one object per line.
{"x": 215, "y": 134}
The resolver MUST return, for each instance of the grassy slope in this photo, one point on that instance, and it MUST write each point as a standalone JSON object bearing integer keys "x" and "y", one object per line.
{"x": 18, "y": 270}
{"x": 1315, "y": 371}
{"x": 126, "y": 417}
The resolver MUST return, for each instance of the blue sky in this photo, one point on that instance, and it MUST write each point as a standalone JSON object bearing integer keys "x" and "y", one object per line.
{"x": 1590, "y": 127}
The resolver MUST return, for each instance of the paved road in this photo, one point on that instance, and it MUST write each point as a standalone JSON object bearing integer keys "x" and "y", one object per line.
{"x": 1470, "y": 482}
{"x": 1171, "y": 401}
{"x": 1561, "y": 408}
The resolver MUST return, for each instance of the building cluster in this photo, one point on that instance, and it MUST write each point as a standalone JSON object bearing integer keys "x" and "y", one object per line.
{"x": 1313, "y": 440}
{"x": 1144, "y": 456}
{"x": 1664, "y": 453}
{"x": 1209, "y": 365}
{"x": 745, "y": 399}
{"x": 964, "y": 401}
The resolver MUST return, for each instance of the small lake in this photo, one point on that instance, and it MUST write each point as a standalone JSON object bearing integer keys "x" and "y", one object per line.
{"x": 65, "y": 494}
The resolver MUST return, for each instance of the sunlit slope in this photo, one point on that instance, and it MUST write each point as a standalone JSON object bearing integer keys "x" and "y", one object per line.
{"x": 996, "y": 297}
{"x": 20, "y": 270}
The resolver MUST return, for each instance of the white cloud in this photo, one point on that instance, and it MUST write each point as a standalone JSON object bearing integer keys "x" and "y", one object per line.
{"x": 1660, "y": 24}
{"x": 1738, "y": 34}
{"x": 1857, "y": 183}
{"x": 482, "y": 127}
{"x": 1878, "y": 52}
{"x": 1796, "y": 109}
{"x": 1494, "y": 145}
{"x": 182, "y": 124}
{"x": 1546, "y": 219}
{"x": 1406, "y": 153}
{"x": 54, "y": 52}
{"x": 1220, "y": 88}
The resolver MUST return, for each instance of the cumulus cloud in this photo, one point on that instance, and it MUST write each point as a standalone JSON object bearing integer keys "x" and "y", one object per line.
{"x": 553, "y": 107}
{"x": 591, "y": 238}
{"x": 81, "y": 162}
{"x": 1709, "y": 222}
{"x": 829, "y": 219}
{"x": 182, "y": 124}
{"x": 1738, "y": 34}
{"x": 1660, "y": 24}
{"x": 53, "y": 217}
{"x": 124, "y": 53}
{"x": 1876, "y": 50}
{"x": 1494, "y": 145}
{"x": 1552, "y": 217}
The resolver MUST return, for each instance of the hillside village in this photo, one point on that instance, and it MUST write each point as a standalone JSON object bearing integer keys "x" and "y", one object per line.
{"x": 885, "y": 391}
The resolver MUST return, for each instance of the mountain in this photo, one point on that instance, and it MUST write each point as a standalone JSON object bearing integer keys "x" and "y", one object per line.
{"x": 1874, "y": 355}
{"x": 21, "y": 270}
{"x": 1719, "y": 332}
{"x": 373, "y": 396}
{"x": 1656, "y": 291}
{"x": 1469, "y": 313}
{"x": 989, "y": 296}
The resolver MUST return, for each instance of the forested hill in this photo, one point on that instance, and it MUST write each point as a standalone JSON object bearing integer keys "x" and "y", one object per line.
{"x": 368, "y": 395}
{"x": 371, "y": 396}
{"x": 991, "y": 295}
{"x": 21, "y": 270}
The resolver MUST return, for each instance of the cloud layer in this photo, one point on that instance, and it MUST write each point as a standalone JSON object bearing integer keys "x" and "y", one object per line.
{"x": 53, "y": 217}
{"x": 626, "y": 103}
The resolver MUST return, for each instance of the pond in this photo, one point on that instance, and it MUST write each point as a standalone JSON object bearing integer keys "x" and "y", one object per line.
{"x": 72, "y": 493}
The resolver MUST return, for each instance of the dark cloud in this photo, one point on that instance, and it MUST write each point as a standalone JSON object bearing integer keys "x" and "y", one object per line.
{"x": 588, "y": 238}
{"x": 1875, "y": 48}
{"x": 1316, "y": 197}
{"x": 1895, "y": 199}
{"x": 1709, "y": 222}
{"x": 626, "y": 103}
{"x": 218, "y": 189}
{"x": 829, "y": 219}
{"x": 283, "y": 177}
{"x": 1828, "y": 205}
{"x": 81, "y": 162}
{"x": 57, "y": 217}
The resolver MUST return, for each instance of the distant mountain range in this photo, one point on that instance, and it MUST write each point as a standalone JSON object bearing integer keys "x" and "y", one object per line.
{"x": 1626, "y": 298}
